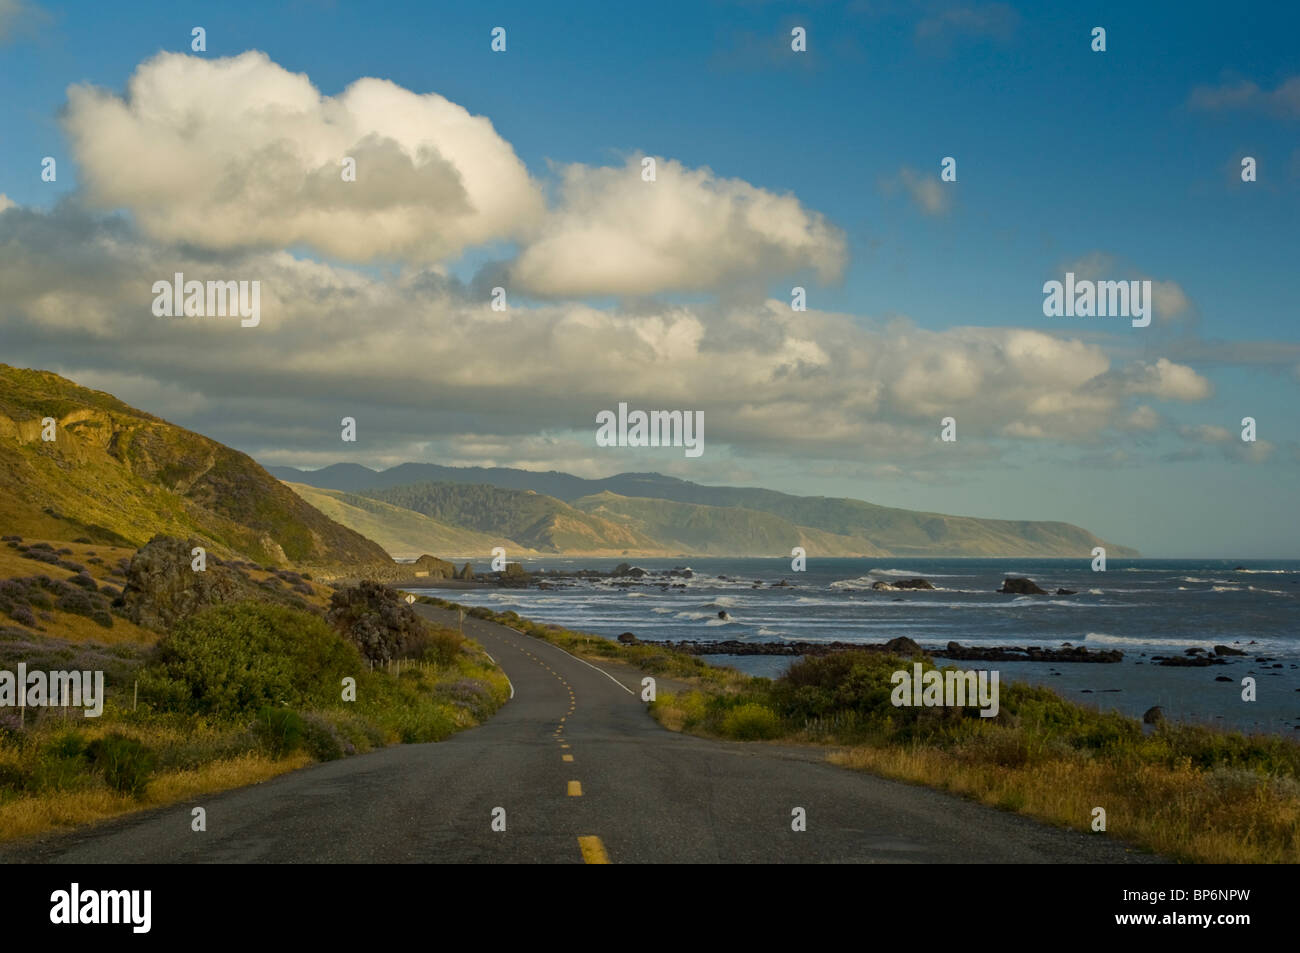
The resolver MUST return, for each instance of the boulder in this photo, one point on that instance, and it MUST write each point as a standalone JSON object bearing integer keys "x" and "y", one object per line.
{"x": 627, "y": 638}
{"x": 902, "y": 645}
{"x": 1227, "y": 650}
{"x": 467, "y": 572}
{"x": 1153, "y": 715}
{"x": 162, "y": 588}
{"x": 1067, "y": 592}
{"x": 434, "y": 568}
{"x": 1021, "y": 587}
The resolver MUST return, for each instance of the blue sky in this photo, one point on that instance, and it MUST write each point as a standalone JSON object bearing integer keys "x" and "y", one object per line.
{"x": 1064, "y": 154}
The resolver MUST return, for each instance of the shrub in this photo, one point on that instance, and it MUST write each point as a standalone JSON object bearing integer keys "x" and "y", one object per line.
{"x": 232, "y": 659}
{"x": 321, "y": 739}
{"x": 751, "y": 722}
{"x": 280, "y": 730}
{"x": 437, "y": 645}
{"x": 126, "y": 763}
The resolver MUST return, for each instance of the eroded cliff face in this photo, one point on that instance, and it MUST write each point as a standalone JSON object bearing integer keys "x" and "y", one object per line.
{"x": 80, "y": 459}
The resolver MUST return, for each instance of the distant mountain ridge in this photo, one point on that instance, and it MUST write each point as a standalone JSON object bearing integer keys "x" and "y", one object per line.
{"x": 652, "y": 514}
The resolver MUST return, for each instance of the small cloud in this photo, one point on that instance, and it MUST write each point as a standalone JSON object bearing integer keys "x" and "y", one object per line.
{"x": 1142, "y": 418}
{"x": 1165, "y": 380}
{"x": 996, "y": 21}
{"x": 1283, "y": 102}
{"x": 17, "y": 17}
{"x": 6, "y": 202}
{"x": 931, "y": 196}
{"x": 1206, "y": 433}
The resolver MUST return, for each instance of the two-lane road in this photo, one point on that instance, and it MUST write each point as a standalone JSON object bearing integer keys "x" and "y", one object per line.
{"x": 583, "y": 773}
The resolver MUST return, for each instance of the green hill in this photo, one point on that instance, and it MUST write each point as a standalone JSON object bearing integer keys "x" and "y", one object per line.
{"x": 681, "y": 517}
{"x": 721, "y": 530}
{"x": 114, "y": 474}
{"x": 402, "y": 532}
{"x": 521, "y": 518}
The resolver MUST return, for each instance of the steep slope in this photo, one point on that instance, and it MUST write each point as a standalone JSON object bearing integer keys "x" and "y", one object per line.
{"x": 115, "y": 474}
{"x": 400, "y": 531}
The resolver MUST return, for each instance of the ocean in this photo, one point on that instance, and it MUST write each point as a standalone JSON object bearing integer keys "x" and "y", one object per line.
{"x": 1142, "y": 607}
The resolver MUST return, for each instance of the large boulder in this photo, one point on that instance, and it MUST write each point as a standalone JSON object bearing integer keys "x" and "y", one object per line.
{"x": 904, "y": 646}
{"x": 376, "y": 620}
{"x": 434, "y": 568}
{"x": 162, "y": 587}
{"x": 467, "y": 572}
{"x": 903, "y": 584}
{"x": 1021, "y": 587}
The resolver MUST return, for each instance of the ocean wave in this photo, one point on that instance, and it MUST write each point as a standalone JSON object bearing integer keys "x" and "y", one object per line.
{"x": 770, "y": 633}
{"x": 662, "y": 610}
{"x": 1104, "y": 638}
{"x": 716, "y": 621}
{"x": 1225, "y": 589}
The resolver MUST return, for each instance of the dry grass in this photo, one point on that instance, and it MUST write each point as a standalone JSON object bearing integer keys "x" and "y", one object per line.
{"x": 1183, "y": 813}
{"x": 58, "y": 810}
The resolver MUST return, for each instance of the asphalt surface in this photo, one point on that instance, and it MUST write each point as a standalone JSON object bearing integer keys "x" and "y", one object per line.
{"x": 632, "y": 792}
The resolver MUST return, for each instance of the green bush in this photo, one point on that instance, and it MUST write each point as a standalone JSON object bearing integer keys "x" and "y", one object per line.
{"x": 751, "y": 722}
{"x": 281, "y": 731}
{"x": 126, "y": 763}
{"x": 321, "y": 738}
{"x": 234, "y": 659}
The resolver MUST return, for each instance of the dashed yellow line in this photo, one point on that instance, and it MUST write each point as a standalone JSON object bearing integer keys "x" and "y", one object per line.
{"x": 566, "y": 757}
{"x": 575, "y": 789}
{"x": 593, "y": 851}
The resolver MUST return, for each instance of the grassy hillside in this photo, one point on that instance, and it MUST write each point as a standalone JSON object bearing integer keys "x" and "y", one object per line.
{"x": 402, "y": 532}
{"x": 526, "y": 519}
{"x": 117, "y": 475}
{"x": 721, "y": 530}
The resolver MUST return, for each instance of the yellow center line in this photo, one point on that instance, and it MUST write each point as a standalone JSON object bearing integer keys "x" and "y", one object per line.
{"x": 566, "y": 757}
{"x": 575, "y": 789}
{"x": 593, "y": 851}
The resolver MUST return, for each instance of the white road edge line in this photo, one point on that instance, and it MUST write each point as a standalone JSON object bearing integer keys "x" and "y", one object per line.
{"x": 589, "y": 665}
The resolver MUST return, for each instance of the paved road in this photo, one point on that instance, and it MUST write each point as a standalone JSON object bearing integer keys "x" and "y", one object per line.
{"x": 584, "y": 774}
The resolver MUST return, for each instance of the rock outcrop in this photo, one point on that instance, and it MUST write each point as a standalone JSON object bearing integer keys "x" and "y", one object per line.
{"x": 162, "y": 587}
{"x": 1021, "y": 587}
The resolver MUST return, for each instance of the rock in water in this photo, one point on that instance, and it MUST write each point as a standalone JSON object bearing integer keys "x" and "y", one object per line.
{"x": 1154, "y": 715}
{"x": 1227, "y": 650}
{"x": 1021, "y": 587}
